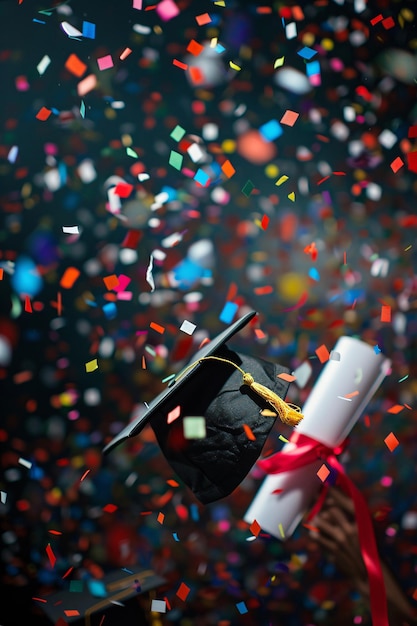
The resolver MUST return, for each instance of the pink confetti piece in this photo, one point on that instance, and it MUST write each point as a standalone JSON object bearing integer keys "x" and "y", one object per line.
{"x": 105, "y": 63}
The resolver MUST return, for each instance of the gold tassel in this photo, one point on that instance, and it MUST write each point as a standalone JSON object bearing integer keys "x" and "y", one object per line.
{"x": 288, "y": 413}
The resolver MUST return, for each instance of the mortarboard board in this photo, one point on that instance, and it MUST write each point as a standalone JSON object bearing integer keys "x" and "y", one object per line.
{"x": 237, "y": 395}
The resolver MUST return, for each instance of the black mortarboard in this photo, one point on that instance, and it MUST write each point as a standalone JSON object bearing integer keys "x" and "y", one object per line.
{"x": 237, "y": 395}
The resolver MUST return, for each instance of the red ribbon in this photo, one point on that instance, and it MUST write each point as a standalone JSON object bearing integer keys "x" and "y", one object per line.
{"x": 308, "y": 450}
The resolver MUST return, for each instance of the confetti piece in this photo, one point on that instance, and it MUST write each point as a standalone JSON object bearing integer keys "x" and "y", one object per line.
{"x": 70, "y": 30}
{"x": 43, "y": 64}
{"x": 289, "y": 118}
{"x": 111, "y": 281}
{"x": 51, "y": 555}
{"x": 228, "y": 169}
{"x": 69, "y": 277}
{"x": 323, "y": 472}
{"x": 110, "y": 508}
{"x": 149, "y": 275}
{"x": 159, "y": 329}
{"x": 395, "y": 409}
{"x": 242, "y": 608}
{"x": 271, "y": 130}
{"x": 397, "y": 164}
{"x": 159, "y": 606}
{"x": 228, "y": 312}
{"x": 28, "y": 305}
{"x": 391, "y": 442}
{"x": 84, "y": 476}
{"x": 25, "y": 463}
{"x": 188, "y": 327}
{"x": 105, "y": 63}
{"x": 86, "y": 85}
{"x": 255, "y": 528}
{"x": 289, "y": 378}
{"x": 167, "y": 10}
{"x": 248, "y": 432}
{"x": 194, "y": 47}
{"x": 385, "y": 313}
{"x": 126, "y": 52}
{"x": 194, "y": 427}
{"x": 176, "y": 160}
{"x": 282, "y": 179}
{"x": 75, "y": 66}
{"x": 201, "y": 177}
{"x": 3, "y": 497}
{"x": 234, "y": 66}
{"x": 322, "y": 353}
{"x": 279, "y": 62}
{"x": 301, "y": 301}
{"x": 160, "y": 518}
{"x": 183, "y": 592}
{"x": 123, "y": 190}
{"x": 43, "y": 114}
{"x": 91, "y": 366}
{"x": 174, "y": 414}
{"x": 203, "y": 19}
{"x": 291, "y": 196}
{"x": 248, "y": 187}
{"x": 89, "y": 30}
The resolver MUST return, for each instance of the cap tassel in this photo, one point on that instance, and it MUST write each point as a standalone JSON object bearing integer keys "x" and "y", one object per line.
{"x": 288, "y": 413}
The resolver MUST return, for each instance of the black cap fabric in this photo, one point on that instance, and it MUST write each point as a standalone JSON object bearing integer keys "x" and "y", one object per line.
{"x": 231, "y": 391}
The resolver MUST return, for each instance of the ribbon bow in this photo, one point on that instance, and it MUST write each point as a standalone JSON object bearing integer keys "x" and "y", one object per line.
{"x": 307, "y": 450}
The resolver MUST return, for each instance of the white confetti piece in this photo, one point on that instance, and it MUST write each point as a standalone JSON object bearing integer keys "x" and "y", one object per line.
{"x": 43, "y": 64}
{"x": 149, "y": 275}
{"x": 70, "y": 230}
{"x": 159, "y": 606}
{"x": 25, "y": 463}
{"x": 188, "y": 327}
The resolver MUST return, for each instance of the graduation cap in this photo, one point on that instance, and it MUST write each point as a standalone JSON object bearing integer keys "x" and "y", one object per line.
{"x": 232, "y": 401}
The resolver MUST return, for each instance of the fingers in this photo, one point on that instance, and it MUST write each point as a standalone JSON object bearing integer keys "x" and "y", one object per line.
{"x": 337, "y": 497}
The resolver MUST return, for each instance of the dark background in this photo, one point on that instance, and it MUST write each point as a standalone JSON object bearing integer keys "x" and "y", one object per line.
{"x": 57, "y": 417}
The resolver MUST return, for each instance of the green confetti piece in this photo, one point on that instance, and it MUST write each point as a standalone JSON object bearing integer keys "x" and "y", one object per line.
{"x": 248, "y": 188}
{"x": 76, "y": 585}
{"x": 194, "y": 427}
{"x": 82, "y": 109}
{"x": 131, "y": 153}
{"x": 168, "y": 378}
{"x": 176, "y": 159}
{"x": 178, "y": 133}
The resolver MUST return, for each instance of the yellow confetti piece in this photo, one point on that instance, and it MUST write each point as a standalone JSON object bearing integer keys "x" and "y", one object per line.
{"x": 281, "y": 530}
{"x": 213, "y": 42}
{"x": 282, "y": 179}
{"x": 91, "y": 365}
{"x": 291, "y": 196}
{"x": 234, "y": 66}
{"x": 279, "y": 62}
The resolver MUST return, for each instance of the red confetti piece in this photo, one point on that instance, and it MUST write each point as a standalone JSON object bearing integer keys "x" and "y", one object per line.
{"x": 132, "y": 239}
{"x": 68, "y": 572}
{"x": 51, "y": 555}
{"x": 183, "y": 592}
{"x": 55, "y": 532}
{"x": 262, "y": 291}
{"x": 28, "y": 305}
{"x": 377, "y": 19}
{"x": 110, "y": 508}
{"x": 412, "y": 132}
{"x": 264, "y": 222}
{"x": 172, "y": 483}
{"x": 412, "y": 161}
{"x": 385, "y": 313}
{"x": 391, "y": 442}
{"x": 84, "y": 475}
{"x": 71, "y": 613}
{"x": 159, "y": 329}
{"x": 203, "y": 19}
{"x": 388, "y": 22}
{"x": 39, "y": 599}
{"x": 194, "y": 47}
{"x": 255, "y": 528}
{"x": 323, "y": 353}
{"x": 303, "y": 299}
{"x": 397, "y": 164}
{"x": 123, "y": 190}
{"x": 43, "y": 114}
{"x": 179, "y": 64}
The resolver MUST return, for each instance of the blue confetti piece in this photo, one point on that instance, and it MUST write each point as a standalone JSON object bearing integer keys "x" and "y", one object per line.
{"x": 314, "y": 274}
{"x": 89, "y": 30}
{"x": 377, "y": 349}
{"x": 194, "y": 512}
{"x": 97, "y": 588}
{"x": 219, "y": 48}
{"x": 175, "y": 536}
{"x": 228, "y": 312}
{"x": 110, "y": 310}
{"x": 307, "y": 53}
{"x": 242, "y": 608}
{"x": 201, "y": 177}
{"x": 271, "y": 130}
{"x": 313, "y": 68}
{"x": 26, "y": 279}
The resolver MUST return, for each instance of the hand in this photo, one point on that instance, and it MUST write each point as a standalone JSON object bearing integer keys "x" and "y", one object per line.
{"x": 337, "y": 533}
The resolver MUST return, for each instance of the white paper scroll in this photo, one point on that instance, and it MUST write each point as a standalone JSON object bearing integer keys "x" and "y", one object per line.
{"x": 330, "y": 412}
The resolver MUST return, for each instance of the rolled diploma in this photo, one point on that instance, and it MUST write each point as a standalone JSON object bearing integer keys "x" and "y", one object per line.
{"x": 329, "y": 416}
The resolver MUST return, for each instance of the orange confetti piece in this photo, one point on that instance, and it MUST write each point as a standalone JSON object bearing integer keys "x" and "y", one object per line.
{"x": 84, "y": 475}
{"x": 396, "y": 408}
{"x": 183, "y": 592}
{"x": 248, "y": 432}
{"x": 323, "y": 353}
{"x": 71, "y": 613}
{"x": 289, "y": 118}
{"x": 172, "y": 483}
{"x": 51, "y": 555}
{"x": 259, "y": 333}
{"x": 323, "y": 472}
{"x": 54, "y": 532}
{"x": 43, "y": 114}
{"x": 74, "y": 65}
{"x": 385, "y": 313}
{"x": 391, "y": 442}
{"x": 111, "y": 281}
{"x": 194, "y": 47}
{"x": 69, "y": 277}
{"x": 228, "y": 169}
{"x": 174, "y": 414}
{"x": 255, "y": 528}
{"x": 159, "y": 329}
{"x": 125, "y": 54}
{"x": 196, "y": 75}
{"x": 1, "y": 273}
{"x": 289, "y": 378}
{"x": 352, "y": 394}
{"x": 143, "y": 363}
{"x": 232, "y": 292}
{"x": 160, "y": 518}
